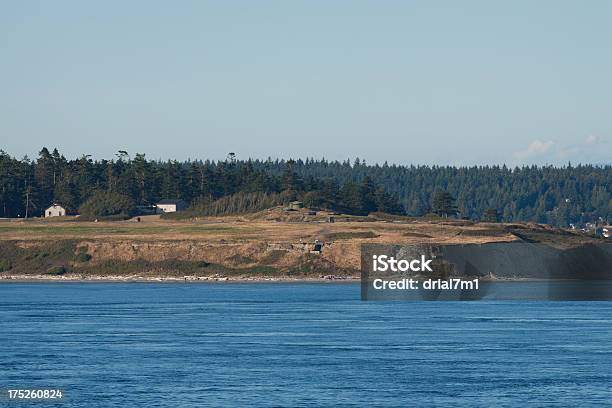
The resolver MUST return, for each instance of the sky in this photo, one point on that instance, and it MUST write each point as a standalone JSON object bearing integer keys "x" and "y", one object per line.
{"x": 407, "y": 82}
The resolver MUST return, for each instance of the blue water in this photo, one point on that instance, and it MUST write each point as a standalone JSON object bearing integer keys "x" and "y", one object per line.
{"x": 187, "y": 345}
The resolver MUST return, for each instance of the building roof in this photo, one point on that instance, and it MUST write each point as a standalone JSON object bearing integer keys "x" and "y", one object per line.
{"x": 171, "y": 201}
{"x": 55, "y": 205}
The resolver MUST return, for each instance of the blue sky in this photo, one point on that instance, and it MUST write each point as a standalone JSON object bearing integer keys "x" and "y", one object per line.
{"x": 424, "y": 82}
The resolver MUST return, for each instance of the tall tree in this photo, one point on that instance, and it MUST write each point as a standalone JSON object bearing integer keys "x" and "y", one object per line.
{"x": 443, "y": 204}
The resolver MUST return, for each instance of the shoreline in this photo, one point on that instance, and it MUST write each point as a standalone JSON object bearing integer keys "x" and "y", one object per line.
{"x": 212, "y": 279}
{"x": 160, "y": 279}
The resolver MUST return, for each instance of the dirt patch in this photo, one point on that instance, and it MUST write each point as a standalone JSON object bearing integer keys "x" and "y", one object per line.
{"x": 416, "y": 234}
{"x": 483, "y": 233}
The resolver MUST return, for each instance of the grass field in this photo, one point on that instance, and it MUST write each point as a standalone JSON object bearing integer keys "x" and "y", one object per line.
{"x": 232, "y": 229}
{"x": 127, "y": 229}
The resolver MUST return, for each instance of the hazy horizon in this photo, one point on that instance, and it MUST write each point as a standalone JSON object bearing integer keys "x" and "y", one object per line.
{"x": 443, "y": 83}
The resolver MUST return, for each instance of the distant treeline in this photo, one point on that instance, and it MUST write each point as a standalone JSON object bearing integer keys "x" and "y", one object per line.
{"x": 555, "y": 195}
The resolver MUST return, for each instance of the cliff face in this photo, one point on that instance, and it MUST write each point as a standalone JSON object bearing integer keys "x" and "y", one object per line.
{"x": 505, "y": 260}
{"x": 177, "y": 258}
{"x": 284, "y": 257}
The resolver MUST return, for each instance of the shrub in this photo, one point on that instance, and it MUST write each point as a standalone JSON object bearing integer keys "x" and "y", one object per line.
{"x": 5, "y": 265}
{"x": 105, "y": 204}
{"x": 56, "y": 270}
{"x": 83, "y": 257}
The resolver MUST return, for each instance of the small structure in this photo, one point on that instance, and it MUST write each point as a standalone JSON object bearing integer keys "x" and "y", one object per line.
{"x": 296, "y": 205}
{"x": 55, "y": 210}
{"x": 170, "y": 205}
{"x": 146, "y": 209}
{"x": 316, "y": 247}
{"x": 331, "y": 219}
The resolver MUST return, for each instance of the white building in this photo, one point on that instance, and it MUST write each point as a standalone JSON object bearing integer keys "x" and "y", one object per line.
{"x": 170, "y": 205}
{"x": 55, "y": 210}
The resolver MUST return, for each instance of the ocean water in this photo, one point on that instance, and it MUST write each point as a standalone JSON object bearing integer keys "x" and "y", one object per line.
{"x": 311, "y": 345}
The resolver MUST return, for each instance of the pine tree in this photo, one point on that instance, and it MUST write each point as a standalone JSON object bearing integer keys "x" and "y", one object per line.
{"x": 443, "y": 204}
